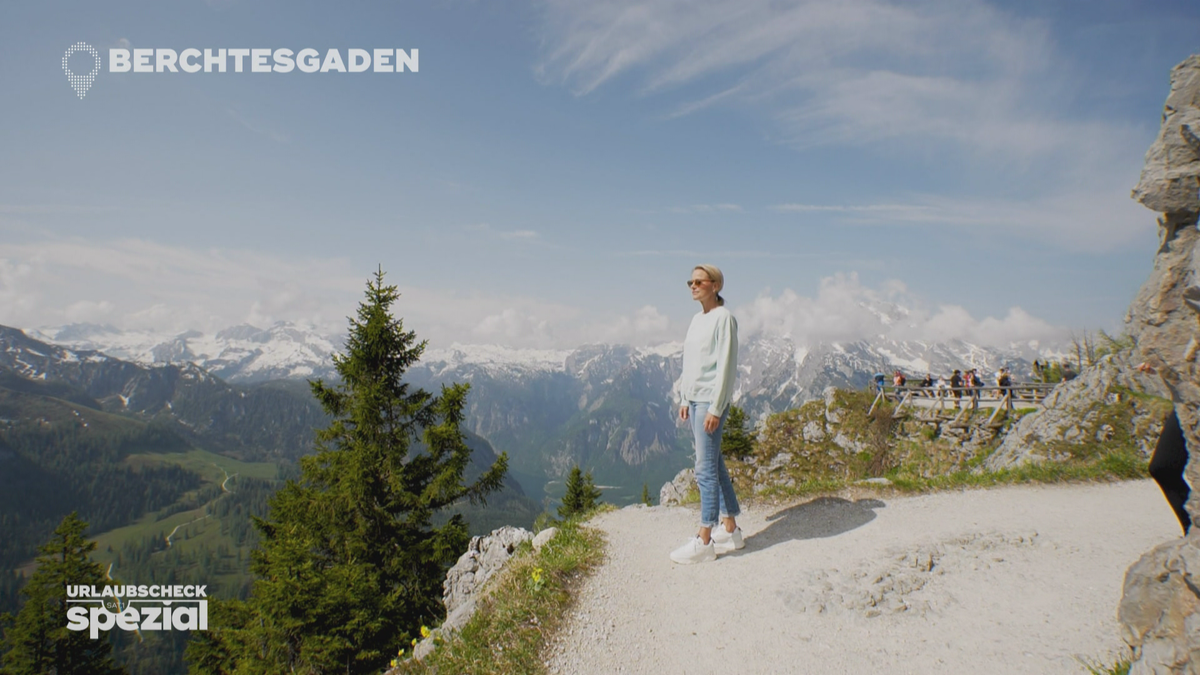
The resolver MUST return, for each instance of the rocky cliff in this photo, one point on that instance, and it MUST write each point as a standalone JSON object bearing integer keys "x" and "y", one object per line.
{"x": 1109, "y": 403}
{"x": 1160, "y": 610}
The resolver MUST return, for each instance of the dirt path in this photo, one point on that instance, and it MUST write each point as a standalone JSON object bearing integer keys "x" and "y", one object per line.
{"x": 1018, "y": 579}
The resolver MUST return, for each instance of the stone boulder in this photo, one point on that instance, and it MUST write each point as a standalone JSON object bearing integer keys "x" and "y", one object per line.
{"x": 485, "y": 556}
{"x": 1159, "y": 611}
{"x": 1170, "y": 182}
{"x": 675, "y": 492}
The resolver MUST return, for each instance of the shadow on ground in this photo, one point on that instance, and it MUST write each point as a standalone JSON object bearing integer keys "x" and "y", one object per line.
{"x": 822, "y": 517}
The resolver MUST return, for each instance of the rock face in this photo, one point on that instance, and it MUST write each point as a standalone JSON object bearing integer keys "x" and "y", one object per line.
{"x": 675, "y": 492}
{"x": 1085, "y": 410}
{"x": 1159, "y": 609}
{"x": 1166, "y": 312}
{"x": 484, "y": 557}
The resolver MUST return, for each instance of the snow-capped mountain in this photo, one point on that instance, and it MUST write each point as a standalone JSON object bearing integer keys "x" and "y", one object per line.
{"x": 260, "y": 422}
{"x": 607, "y": 407}
{"x": 244, "y": 354}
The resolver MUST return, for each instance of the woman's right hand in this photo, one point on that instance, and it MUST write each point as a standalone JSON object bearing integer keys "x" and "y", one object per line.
{"x": 683, "y": 413}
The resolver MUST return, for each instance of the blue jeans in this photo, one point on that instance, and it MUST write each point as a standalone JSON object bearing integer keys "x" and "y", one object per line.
{"x": 712, "y": 478}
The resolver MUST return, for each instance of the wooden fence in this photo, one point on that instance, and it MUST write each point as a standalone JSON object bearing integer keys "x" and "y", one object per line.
{"x": 936, "y": 402}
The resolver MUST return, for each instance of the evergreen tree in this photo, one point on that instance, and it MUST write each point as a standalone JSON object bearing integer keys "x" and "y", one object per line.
{"x": 350, "y": 565}
{"x": 646, "y": 495}
{"x": 736, "y": 441}
{"x": 582, "y": 494}
{"x": 37, "y": 641}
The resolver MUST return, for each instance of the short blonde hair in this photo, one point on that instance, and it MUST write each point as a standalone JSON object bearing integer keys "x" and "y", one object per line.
{"x": 718, "y": 278}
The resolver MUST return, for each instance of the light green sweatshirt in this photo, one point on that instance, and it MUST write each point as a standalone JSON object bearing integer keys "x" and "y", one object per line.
{"x": 710, "y": 360}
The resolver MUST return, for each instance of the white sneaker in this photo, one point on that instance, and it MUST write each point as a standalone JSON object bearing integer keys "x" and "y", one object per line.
{"x": 724, "y": 542}
{"x": 694, "y": 551}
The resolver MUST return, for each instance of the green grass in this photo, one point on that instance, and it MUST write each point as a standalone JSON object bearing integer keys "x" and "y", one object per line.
{"x": 1114, "y": 465}
{"x": 1121, "y": 667}
{"x": 208, "y": 465}
{"x": 517, "y": 614}
{"x": 194, "y": 529}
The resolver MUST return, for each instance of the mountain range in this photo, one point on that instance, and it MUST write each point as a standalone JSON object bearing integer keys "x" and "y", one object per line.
{"x": 608, "y": 408}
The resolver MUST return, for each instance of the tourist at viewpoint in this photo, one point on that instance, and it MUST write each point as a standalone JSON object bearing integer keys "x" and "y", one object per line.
{"x": 705, "y": 390}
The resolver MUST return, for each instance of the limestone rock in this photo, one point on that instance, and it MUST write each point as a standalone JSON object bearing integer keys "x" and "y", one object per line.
{"x": 848, "y": 444}
{"x": 544, "y": 536}
{"x": 1170, "y": 181}
{"x": 673, "y": 493}
{"x": 484, "y": 557}
{"x": 1070, "y": 414}
{"x": 832, "y": 416}
{"x": 1165, "y": 314}
{"x": 813, "y": 432}
{"x": 465, "y": 581}
{"x": 1158, "y": 611}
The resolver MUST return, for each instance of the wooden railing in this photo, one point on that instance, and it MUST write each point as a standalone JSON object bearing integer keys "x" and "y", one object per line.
{"x": 965, "y": 399}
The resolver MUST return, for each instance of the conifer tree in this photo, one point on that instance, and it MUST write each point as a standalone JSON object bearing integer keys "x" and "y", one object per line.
{"x": 37, "y": 641}
{"x": 736, "y": 441}
{"x": 646, "y": 495}
{"x": 582, "y": 494}
{"x": 350, "y": 564}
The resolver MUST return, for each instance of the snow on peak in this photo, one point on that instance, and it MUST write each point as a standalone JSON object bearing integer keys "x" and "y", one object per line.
{"x": 496, "y": 356}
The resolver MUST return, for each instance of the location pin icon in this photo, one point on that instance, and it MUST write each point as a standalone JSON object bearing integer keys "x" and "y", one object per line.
{"x": 81, "y": 83}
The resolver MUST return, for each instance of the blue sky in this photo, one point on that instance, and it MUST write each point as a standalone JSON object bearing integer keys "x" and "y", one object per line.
{"x": 555, "y": 169}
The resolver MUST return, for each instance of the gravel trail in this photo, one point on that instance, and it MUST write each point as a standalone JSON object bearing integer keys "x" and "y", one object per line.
{"x": 1014, "y": 579}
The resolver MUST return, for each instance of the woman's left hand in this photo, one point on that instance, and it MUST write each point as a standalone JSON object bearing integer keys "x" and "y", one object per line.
{"x": 711, "y": 422}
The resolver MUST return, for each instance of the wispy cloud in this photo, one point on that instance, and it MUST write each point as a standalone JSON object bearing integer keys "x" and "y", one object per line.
{"x": 965, "y": 80}
{"x": 684, "y": 253}
{"x": 56, "y": 209}
{"x": 486, "y": 229}
{"x": 706, "y": 208}
{"x": 519, "y": 234}
{"x": 1078, "y": 219}
{"x": 258, "y": 128}
{"x": 849, "y": 208}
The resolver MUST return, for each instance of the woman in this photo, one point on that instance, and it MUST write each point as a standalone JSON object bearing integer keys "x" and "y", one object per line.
{"x": 705, "y": 390}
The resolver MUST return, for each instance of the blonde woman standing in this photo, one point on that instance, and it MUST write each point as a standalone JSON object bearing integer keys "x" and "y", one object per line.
{"x": 705, "y": 391}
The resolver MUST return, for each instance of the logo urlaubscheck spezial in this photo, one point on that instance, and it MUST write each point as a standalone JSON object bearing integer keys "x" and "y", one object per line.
{"x": 81, "y": 83}
{"x": 136, "y": 608}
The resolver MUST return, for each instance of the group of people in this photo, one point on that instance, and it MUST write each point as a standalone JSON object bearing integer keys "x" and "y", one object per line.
{"x": 959, "y": 382}
{"x": 706, "y": 391}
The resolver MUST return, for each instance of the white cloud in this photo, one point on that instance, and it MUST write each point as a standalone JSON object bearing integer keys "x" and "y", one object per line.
{"x": 645, "y": 326}
{"x": 134, "y": 283}
{"x": 519, "y": 234}
{"x": 844, "y": 310}
{"x": 707, "y": 208}
{"x": 140, "y": 285}
{"x": 88, "y": 311}
{"x": 512, "y": 235}
{"x": 513, "y": 327}
{"x": 1082, "y": 220}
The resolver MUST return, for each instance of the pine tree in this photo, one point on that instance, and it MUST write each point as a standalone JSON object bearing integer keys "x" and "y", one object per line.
{"x": 582, "y": 494}
{"x": 646, "y": 495}
{"x": 736, "y": 441}
{"x": 350, "y": 565}
{"x": 37, "y": 640}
